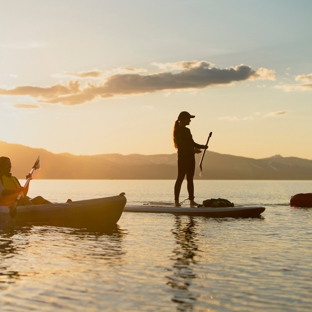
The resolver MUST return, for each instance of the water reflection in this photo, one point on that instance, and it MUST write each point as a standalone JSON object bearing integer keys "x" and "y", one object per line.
{"x": 10, "y": 240}
{"x": 184, "y": 255}
{"x": 105, "y": 245}
{"x": 46, "y": 251}
{"x": 8, "y": 249}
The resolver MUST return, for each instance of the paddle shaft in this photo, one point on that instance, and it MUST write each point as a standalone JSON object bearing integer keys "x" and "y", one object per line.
{"x": 204, "y": 152}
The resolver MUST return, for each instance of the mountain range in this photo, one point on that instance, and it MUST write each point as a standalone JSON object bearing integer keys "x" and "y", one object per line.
{"x": 161, "y": 166}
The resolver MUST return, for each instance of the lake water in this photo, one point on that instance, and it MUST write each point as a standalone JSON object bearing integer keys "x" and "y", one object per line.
{"x": 162, "y": 262}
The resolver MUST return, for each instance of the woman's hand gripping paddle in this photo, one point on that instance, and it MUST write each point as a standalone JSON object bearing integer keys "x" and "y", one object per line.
{"x": 29, "y": 177}
{"x": 203, "y": 155}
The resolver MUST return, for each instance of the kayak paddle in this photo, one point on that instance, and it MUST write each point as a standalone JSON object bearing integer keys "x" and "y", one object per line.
{"x": 203, "y": 155}
{"x": 29, "y": 176}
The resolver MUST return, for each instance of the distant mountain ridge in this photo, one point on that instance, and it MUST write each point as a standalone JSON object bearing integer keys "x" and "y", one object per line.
{"x": 161, "y": 166}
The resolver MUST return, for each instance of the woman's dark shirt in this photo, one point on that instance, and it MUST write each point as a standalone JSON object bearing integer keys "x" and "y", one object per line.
{"x": 184, "y": 141}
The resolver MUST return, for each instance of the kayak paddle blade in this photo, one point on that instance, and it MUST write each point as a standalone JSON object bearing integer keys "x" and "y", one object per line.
{"x": 37, "y": 164}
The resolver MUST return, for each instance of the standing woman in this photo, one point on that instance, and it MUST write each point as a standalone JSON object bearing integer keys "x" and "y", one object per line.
{"x": 184, "y": 143}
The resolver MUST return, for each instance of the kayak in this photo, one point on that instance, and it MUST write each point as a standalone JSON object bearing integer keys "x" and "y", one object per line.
{"x": 301, "y": 200}
{"x": 96, "y": 212}
{"x": 224, "y": 212}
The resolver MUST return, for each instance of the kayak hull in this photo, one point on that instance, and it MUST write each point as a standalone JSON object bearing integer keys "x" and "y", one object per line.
{"x": 301, "y": 200}
{"x": 84, "y": 213}
{"x": 230, "y": 212}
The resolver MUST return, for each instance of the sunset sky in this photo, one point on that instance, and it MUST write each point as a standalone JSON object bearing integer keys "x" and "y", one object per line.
{"x": 111, "y": 76}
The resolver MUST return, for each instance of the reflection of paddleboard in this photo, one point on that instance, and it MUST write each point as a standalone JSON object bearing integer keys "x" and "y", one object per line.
{"x": 229, "y": 212}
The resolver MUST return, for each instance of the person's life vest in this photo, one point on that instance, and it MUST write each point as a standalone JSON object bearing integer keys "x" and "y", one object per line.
{"x": 10, "y": 183}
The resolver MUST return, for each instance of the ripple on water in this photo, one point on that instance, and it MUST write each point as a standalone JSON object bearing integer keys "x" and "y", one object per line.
{"x": 164, "y": 262}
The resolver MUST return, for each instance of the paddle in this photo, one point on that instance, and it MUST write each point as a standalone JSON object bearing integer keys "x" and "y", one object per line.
{"x": 29, "y": 176}
{"x": 203, "y": 155}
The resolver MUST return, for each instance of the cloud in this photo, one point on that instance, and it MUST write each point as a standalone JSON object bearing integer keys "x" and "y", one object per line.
{"x": 304, "y": 78}
{"x": 306, "y": 85}
{"x": 295, "y": 87}
{"x": 88, "y": 74}
{"x": 193, "y": 75}
{"x": 26, "y": 106}
{"x": 182, "y": 65}
{"x": 255, "y": 116}
{"x": 263, "y": 74}
{"x": 277, "y": 114}
{"x": 45, "y": 93}
{"x": 97, "y": 73}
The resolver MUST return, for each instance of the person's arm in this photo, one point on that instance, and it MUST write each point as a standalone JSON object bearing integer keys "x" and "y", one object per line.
{"x": 6, "y": 192}
{"x": 8, "y": 197}
{"x": 22, "y": 189}
{"x": 198, "y": 147}
{"x": 185, "y": 140}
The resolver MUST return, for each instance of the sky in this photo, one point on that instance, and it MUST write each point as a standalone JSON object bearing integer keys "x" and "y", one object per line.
{"x": 111, "y": 76}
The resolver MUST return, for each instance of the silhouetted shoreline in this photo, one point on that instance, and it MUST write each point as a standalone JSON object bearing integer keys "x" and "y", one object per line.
{"x": 162, "y": 166}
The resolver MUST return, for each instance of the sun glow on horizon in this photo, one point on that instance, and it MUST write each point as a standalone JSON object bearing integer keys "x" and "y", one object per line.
{"x": 113, "y": 77}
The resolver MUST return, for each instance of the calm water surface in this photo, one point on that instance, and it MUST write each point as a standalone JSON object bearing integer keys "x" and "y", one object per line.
{"x": 160, "y": 262}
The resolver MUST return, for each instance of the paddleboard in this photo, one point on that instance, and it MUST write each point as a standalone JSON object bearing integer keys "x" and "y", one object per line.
{"x": 228, "y": 212}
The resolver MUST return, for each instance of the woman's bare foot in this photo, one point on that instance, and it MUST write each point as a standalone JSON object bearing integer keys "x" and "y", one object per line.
{"x": 193, "y": 204}
{"x": 177, "y": 204}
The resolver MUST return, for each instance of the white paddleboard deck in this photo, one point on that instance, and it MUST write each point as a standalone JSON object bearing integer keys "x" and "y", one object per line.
{"x": 228, "y": 212}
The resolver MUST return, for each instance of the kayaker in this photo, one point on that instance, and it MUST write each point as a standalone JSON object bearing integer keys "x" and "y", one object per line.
{"x": 10, "y": 187}
{"x": 187, "y": 148}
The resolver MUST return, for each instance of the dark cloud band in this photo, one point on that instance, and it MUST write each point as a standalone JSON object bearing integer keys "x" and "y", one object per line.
{"x": 192, "y": 75}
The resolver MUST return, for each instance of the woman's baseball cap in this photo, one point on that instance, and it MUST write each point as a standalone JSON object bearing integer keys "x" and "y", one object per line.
{"x": 185, "y": 115}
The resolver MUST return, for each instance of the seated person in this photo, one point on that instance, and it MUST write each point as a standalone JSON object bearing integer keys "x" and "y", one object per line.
{"x": 10, "y": 188}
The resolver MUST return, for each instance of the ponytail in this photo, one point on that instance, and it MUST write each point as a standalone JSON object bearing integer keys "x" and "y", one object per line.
{"x": 175, "y": 126}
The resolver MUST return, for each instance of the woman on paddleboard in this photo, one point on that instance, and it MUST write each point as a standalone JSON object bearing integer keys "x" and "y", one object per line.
{"x": 184, "y": 143}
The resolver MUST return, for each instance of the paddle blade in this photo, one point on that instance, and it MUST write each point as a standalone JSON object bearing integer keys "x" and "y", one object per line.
{"x": 37, "y": 164}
